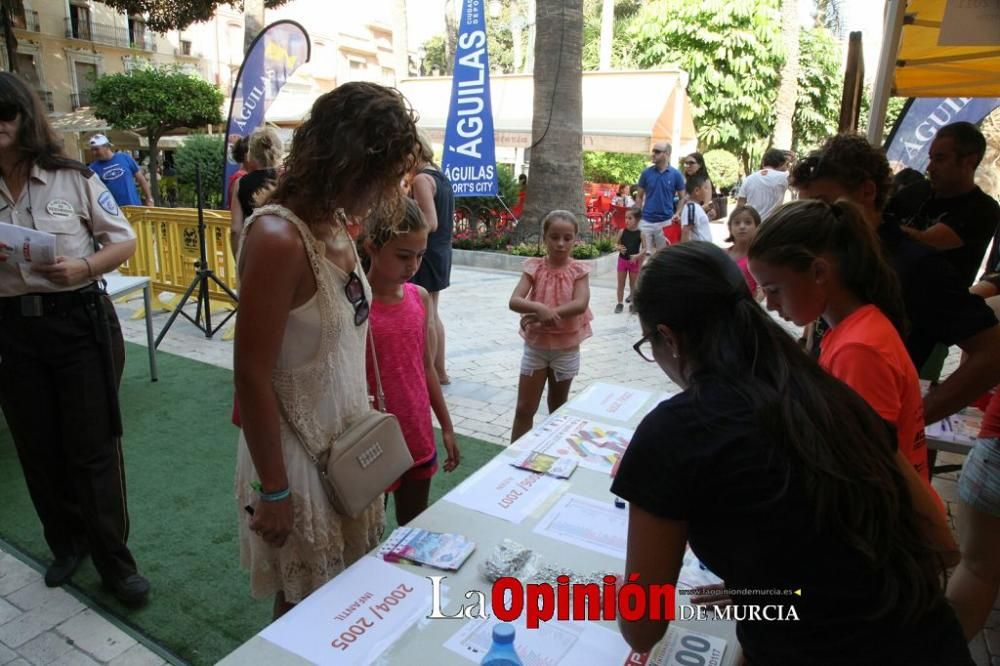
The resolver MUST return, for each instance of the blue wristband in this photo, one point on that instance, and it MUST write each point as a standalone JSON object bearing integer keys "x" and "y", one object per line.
{"x": 275, "y": 496}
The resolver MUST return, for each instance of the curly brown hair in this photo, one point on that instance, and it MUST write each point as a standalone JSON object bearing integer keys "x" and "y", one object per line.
{"x": 848, "y": 159}
{"x": 350, "y": 153}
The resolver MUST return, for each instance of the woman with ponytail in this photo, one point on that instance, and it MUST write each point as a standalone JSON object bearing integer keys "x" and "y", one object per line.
{"x": 784, "y": 482}
{"x": 815, "y": 259}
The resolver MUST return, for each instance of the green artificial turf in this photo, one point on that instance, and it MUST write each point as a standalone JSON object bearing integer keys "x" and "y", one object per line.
{"x": 180, "y": 452}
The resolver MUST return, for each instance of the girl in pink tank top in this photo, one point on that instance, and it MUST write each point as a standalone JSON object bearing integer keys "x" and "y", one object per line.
{"x": 399, "y": 325}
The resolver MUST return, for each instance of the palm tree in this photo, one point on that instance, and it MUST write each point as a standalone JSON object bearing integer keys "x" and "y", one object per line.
{"x": 556, "y": 178}
{"x": 607, "y": 33}
{"x": 788, "y": 89}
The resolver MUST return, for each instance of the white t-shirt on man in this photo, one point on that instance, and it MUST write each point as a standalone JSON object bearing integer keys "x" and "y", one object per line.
{"x": 694, "y": 215}
{"x": 765, "y": 190}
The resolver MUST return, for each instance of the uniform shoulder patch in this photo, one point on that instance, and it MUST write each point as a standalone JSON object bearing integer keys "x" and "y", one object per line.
{"x": 108, "y": 203}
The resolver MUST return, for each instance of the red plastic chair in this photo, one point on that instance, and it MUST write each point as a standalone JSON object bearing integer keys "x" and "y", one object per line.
{"x": 618, "y": 217}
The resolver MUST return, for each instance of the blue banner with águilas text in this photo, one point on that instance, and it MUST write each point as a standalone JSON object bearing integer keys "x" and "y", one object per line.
{"x": 272, "y": 58}
{"x": 469, "y": 149}
{"x": 916, "y": 126}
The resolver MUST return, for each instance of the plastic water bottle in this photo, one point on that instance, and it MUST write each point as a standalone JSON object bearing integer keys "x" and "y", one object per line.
{"x": 502, "y": 651}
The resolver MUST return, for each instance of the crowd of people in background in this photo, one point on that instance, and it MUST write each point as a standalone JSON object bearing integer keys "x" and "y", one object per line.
{"x": 783, "y": 463}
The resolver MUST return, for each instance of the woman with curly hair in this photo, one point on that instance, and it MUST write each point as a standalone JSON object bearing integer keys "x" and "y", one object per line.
{"x": 300, "y": 337}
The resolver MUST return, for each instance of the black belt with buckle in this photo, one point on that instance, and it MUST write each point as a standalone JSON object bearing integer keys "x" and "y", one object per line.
{"x": 54, "y": 303}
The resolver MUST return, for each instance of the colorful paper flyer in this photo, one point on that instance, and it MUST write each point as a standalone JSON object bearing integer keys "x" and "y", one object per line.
{"x": 596, "y": 445}
{"x": 434, "y": 549}
{"x": 543, "y": 463}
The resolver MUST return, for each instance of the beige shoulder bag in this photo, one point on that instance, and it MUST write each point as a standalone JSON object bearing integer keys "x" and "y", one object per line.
{"x": 366, "y": 458}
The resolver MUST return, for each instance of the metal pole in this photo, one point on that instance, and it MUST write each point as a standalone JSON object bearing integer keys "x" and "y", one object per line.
{"x": 895, "y": 12}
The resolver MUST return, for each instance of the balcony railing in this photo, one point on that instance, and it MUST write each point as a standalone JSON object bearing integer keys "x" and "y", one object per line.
{"x": 109, "y": 34}
{"x": 79, "y": 100}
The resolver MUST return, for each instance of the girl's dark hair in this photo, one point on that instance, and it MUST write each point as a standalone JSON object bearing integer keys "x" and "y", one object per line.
{"x": 835, "y": 448}
{"x": 702, "y": 169}
{"x": 800, "y": 231}
{"x": 35, "y": 139}
{"x": 353, "y": 150}
{"x": 740, "y": 210}
{"x": 240, "y": 149}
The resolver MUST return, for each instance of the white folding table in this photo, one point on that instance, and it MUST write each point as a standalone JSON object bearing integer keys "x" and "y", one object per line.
{"x": 120, "y": 285}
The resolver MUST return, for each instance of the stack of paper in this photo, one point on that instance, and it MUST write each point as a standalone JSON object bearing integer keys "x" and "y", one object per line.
{"x": 434, "y": 549}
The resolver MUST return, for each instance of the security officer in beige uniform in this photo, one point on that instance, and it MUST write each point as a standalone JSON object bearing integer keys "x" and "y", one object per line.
{"x": 61, "y": 347}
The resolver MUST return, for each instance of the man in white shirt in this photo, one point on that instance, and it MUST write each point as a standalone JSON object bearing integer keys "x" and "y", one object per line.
{"x": 764, "y": 190}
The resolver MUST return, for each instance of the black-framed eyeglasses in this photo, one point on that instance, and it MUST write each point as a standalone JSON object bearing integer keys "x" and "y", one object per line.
{"x": 691, "y": 163}
{"x": 8, "y": 111}
{"x": 355, "y": 293}
{"x": 657, "y": 152}
{"x": 639, "y": 347}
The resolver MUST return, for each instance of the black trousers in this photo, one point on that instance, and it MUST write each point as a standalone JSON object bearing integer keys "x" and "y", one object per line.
{"x": 59, "y": 376}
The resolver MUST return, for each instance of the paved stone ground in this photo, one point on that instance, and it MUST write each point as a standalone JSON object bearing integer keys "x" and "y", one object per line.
{"x": 40, "y": 626}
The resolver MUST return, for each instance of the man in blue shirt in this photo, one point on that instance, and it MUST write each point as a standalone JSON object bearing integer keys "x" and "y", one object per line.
{"x": 119, "y": 172}
{"x": 658, "y": 185}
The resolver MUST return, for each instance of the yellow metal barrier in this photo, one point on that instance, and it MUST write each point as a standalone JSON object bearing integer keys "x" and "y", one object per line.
{"x": 167, "y": 250}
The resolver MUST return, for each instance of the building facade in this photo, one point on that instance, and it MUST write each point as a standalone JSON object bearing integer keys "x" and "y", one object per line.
{"x": 64, "y": 45}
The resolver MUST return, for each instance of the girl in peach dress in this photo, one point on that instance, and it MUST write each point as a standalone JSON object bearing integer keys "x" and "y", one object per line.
{"x": 553, "y": 299}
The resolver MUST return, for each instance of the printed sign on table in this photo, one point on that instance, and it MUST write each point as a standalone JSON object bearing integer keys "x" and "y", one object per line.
{"x": 597, "y": 446}
{"x": 500, "y": 490}
{"x": 611, "y": 401}
{"x": 355, "y": 617}
{"x": 588, "y": 523}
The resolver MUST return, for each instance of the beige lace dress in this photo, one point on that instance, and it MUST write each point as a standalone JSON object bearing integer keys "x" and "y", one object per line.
{"x": 320, "y": 384}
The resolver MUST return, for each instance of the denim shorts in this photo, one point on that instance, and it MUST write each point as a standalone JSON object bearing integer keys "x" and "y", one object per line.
{"x": 979, "y": 484}
{"x": 565, "y": 363}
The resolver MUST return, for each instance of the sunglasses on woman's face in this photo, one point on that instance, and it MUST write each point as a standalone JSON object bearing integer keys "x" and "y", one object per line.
{"x": 355, "y": 292}
{"x": 8, "y": 112}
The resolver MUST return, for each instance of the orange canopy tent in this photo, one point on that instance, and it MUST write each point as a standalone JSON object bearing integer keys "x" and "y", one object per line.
{"x": 936, "y": 48}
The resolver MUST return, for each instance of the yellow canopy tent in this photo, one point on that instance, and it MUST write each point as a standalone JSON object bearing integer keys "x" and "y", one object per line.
{"x": 936, "y": 48}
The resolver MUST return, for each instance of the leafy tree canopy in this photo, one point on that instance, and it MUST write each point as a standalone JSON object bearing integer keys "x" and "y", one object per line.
{"x": 620, "y": 168}
{"x": 434, "y": 56}
{"x": 820, "y": 87}
{"x": 164, "y": 15}
{"x": 155, "y": 101}
{"x": 723, "y": 167}
{"x": 732, "y": 52}
{"x": 201, "y": 150}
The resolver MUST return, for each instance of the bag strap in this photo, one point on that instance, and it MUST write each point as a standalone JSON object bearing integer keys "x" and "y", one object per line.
{"x": 379, "y": 395}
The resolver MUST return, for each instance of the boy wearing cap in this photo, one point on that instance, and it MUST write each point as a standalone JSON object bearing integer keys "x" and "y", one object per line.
{"x": 119, "y": 172}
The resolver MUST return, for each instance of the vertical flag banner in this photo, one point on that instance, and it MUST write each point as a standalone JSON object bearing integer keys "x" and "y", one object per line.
{"x": 920, "y": 120}
{"x": 272, "y": 58}
{"x": 469, "y": 149}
